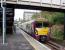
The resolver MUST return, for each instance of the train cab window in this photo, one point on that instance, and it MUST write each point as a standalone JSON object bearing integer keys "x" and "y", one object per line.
{"x": 38, "y": 24}
{"x": 45, "y": 24}
{"x": 41, "y": 24}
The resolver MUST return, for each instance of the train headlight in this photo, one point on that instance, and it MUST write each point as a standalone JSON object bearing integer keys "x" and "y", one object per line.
{"x": 36, "y": 32}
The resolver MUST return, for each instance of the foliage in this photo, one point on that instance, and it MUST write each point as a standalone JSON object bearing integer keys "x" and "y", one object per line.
{"x": 35, "y": 15}
{"x": 55, "y": 18}
{"x": 57, "y": 33}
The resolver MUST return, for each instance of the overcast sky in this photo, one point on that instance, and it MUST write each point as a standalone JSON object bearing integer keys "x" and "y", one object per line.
{"x": 19, "y": 13}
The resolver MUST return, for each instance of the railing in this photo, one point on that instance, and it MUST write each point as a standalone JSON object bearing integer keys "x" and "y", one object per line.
{"x": 58, "y": 2}
{"x": 52, "y": 3}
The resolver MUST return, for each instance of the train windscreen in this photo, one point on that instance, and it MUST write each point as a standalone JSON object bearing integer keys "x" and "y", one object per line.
{"x": 41, "y": 24}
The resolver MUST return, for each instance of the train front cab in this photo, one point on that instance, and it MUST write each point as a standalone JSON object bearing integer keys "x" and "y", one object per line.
{"x": 41, "y": 30}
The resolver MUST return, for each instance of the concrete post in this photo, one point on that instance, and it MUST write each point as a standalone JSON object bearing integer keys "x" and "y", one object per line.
{"x": 4, "y": 21}
{"x": 64, "y": 26}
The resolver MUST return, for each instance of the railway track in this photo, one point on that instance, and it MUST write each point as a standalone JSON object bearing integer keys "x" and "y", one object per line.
{"x": 51, "y": 44}
{"x": 55, "y": 46}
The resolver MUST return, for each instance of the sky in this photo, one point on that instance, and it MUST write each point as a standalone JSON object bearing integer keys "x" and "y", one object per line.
{"x": 19, "y": 13}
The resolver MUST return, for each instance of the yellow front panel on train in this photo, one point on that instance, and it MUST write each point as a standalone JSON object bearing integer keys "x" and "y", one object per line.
{"x": 42, "y": 31}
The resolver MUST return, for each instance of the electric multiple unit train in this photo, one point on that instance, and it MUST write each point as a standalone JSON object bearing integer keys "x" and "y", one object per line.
{"x": 38, "y": 28}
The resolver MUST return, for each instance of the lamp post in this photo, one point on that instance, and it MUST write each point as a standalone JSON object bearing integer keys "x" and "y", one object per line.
{"x": 4, "y": 20}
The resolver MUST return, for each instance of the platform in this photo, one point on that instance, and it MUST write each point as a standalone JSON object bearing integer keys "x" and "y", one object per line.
{"x": 16, "y": 42}
{"x": 22, "y": 41}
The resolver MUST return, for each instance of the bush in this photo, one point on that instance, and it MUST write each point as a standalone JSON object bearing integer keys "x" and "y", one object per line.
{"x": 55, "y": 18}
{"x": 57, "y": 33}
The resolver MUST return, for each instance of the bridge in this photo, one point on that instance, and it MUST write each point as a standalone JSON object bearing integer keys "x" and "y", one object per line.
{"x": 42, "y": 3}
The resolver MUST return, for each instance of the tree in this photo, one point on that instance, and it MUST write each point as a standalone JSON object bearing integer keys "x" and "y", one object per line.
{"x": 53, "y": 17}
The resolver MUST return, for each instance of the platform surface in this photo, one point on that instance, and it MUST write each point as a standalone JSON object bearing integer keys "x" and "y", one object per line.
{"x": 36, "y": 44}
{"x": 16, "y": 42}
{"x": 20, "y": 40}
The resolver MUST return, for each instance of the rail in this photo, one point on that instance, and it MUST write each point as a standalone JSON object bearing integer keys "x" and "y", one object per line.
{"x": 55, "y": 45}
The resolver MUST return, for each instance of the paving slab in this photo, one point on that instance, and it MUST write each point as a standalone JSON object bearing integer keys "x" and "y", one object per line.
{"x": 16, "y": 42}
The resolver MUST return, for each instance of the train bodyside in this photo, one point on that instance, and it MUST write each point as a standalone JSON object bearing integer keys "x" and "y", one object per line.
{"x": 37, "y": 29}
{"x": 27, "y": 26}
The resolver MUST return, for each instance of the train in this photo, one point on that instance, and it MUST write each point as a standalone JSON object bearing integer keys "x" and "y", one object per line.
{"x": 38, "y": 29}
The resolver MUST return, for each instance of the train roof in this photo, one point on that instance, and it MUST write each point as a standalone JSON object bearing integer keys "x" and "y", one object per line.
{"x": 41, "y": 19}
{"x": 28, "y": 22}
{"x": 36, "y": 20}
